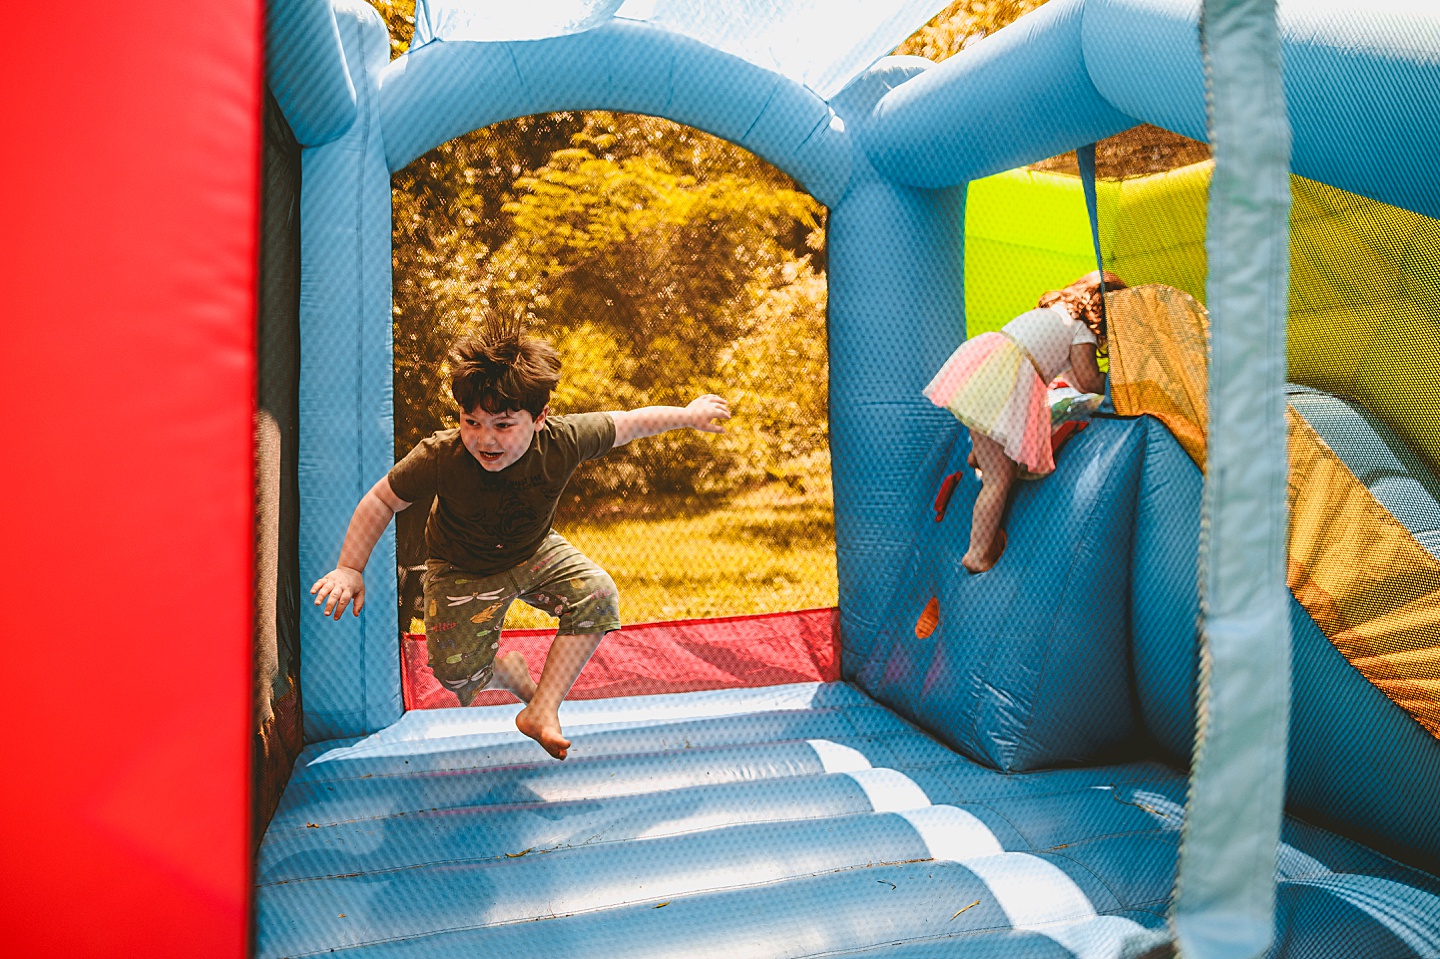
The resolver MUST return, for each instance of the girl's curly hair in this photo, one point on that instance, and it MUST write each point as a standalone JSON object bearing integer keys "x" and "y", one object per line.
{"x": 1082, "y": 298}
{"x": 500, "y": 369}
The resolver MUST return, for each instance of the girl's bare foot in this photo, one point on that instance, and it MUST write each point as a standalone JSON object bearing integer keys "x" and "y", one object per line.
{"x": 545, "y": 730}
{"x": 979, "y": 562}
{"x": 513, "y": 673}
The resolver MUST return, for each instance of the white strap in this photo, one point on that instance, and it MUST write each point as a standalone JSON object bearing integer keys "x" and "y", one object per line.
{"x": 1225, "y": 889}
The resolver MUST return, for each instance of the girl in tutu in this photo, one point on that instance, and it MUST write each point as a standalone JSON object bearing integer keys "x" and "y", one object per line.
{"x": 997, "y": 384}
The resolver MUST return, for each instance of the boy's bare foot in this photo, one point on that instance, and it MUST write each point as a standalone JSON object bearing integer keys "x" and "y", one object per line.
{"x": 545, "y": 730}
{"x": 513, "y": 673}
{"x": 979, "y": 563}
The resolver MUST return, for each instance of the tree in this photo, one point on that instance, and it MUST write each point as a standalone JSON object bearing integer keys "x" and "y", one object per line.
{"x": 961, "y": 24}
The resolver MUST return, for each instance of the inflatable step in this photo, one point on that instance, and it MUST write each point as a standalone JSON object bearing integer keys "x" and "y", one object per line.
{"x": 508, "y": 748}
{"x": 1101, "y": 937}
{"x": 497, "y": 832}
{"x": 433, "y": 724}
{"x": 314, "y": 804}
{"x": 1027, "y": 822}
{"x": 990, "y": 903}
{"x": 1396, "y": 475}
{"x": 534, "y": 885}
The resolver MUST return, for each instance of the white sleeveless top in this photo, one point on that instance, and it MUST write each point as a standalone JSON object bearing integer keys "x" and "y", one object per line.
{"x": 1047, "y": 333}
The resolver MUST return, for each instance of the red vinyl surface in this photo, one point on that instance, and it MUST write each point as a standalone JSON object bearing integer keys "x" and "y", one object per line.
{"x": 130, "y": 179}
{"x": 672, "y": 657}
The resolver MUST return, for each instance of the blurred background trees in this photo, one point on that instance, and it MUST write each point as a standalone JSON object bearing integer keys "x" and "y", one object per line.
{"x": 662, "y": 263}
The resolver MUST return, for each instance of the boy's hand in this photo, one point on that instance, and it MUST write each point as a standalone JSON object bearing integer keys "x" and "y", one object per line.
{"x": 706, "y": 410}
{"x": 337, "y": 588}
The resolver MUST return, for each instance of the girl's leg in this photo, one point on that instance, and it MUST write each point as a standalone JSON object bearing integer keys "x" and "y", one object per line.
{"x": 541, "y": 719}
{"x": 998, "y": 475}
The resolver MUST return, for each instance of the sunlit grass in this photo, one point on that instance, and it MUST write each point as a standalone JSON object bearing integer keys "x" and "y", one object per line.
{"x": 765, "y": 551}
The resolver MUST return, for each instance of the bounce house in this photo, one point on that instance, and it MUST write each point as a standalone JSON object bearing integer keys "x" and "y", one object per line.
{"x": 1195, "y": 708}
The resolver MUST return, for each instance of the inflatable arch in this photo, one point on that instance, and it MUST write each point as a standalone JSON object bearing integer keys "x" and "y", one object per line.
{"x": 883, "y": 238}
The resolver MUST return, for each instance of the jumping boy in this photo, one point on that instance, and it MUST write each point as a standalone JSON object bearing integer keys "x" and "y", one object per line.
{"x": 496, "y": 482}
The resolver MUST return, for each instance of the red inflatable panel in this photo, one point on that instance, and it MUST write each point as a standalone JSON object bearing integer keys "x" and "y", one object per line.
{"x": 130, "y": 210}
{"x": 673, "y": 657}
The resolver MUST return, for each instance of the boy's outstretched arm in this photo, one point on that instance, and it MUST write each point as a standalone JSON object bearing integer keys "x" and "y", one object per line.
{"x": 703, "y": 413}
{"x": 346, "y": 582}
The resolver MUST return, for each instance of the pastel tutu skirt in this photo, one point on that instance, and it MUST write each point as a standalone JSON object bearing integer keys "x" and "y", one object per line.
{"x": 991, "y": 386}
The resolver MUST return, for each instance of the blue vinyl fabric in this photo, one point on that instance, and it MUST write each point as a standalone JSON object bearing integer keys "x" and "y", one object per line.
{"x": 1164, "y": 593}
{"x": 1076, "y": 70}
{"x": 1383, "y": 55}
{"x": 820, "y": 44}
{"x": 1029, "y": 665}
{"x": 349, "y": 670}
{"x": 896, "y": 311}
{"x": 786, "y": 821}
{"x": 1017, "y": 96}
{"x": 443, "y": 90}
{"x": 682, "y": 822}
{"x": 305, "y": 67}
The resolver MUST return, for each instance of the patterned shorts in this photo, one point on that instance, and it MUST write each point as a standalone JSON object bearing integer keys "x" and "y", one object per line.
{"x": 464, "y": 612}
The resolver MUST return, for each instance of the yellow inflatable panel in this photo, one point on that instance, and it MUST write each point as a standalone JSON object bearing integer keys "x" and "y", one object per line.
{"x": 1364, "y": 313}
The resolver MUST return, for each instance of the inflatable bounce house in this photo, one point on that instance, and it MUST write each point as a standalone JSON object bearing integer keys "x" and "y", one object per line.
{"x": 1193, "y": 710}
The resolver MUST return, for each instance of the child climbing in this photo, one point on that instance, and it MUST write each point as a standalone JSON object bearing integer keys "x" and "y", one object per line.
{"x": 496, "y": 481}
{"x": 997, "y": 385}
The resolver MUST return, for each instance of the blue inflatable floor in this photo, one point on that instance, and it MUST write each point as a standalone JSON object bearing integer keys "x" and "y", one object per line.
{"x": 788, "y": 821}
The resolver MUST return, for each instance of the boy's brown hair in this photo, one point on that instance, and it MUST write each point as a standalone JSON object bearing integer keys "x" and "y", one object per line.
{"x": 500, "y": 370}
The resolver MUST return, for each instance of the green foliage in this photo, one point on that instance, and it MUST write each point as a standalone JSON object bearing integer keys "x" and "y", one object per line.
{"x": 766, "y": 550}
{"x": 961, "y": 24}
{"x": 399, "y": 17}
{"x": 448, "y": 219}
{"x": 662, "y": 263}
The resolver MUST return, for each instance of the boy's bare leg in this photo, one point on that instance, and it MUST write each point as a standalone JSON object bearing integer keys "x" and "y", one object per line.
{"x": 512, "y": 672}
{"x": 541, "y": 719}
{"x": 987, "y": 540}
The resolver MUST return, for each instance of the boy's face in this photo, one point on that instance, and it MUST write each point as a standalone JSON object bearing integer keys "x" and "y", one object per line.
{"x": 499, "y": 439}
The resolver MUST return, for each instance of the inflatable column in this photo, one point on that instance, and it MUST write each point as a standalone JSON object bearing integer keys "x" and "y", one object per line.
{"x": 349, "y": 670}
{"x": 896, "y": 312}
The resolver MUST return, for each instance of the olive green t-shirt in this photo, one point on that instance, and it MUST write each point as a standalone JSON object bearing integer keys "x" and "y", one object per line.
{"x": 487, "y": 522}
